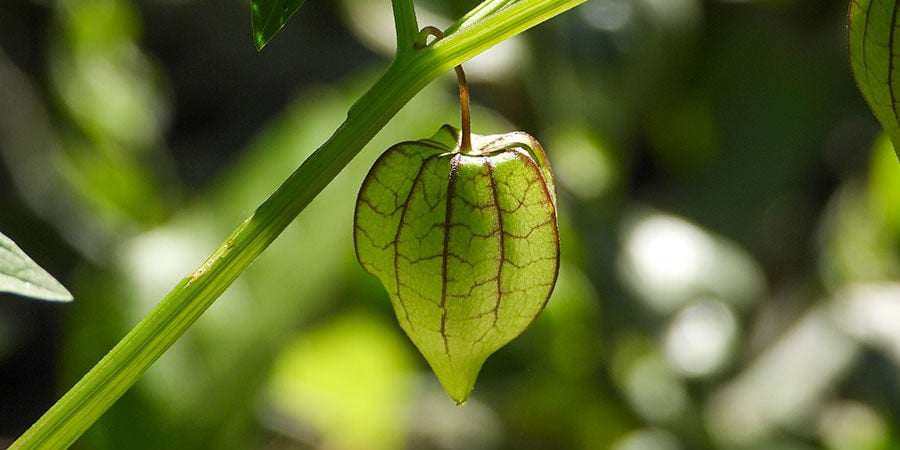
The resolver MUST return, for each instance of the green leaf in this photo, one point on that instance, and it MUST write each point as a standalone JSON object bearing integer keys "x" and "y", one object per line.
{"x": 268, "y": 16}
{"x": 466, "y": 244}
{"x": 874, "y": 58}
{"x": 20, "y": 275}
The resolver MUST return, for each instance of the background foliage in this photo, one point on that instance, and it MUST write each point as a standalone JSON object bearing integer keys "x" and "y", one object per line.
{"x": 730, "y": 227}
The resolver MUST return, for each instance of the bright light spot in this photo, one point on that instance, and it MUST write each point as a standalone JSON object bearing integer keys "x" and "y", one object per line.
{"x": 648, "y": 439}
{"x": 157, "y": 260}
{"x": 871, "y": 313}
{"x": 160, "y": 258}
{"x": 699, "y": 338}
{"x": 665, "y": 257}
{"x": 668, "y": 262}
{"x": 784, "y": 386}
{"x": 607, "y": 15}
{"x": 373, "y": 24}
{"x": 496, "y": 62}
{"x": 669, "y": 251}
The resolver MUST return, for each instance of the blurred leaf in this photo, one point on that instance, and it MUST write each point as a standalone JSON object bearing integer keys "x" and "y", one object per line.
{"x": 872, "y": 48}
{"x": 268, "y": 16}
{"x": 856, "y": 245}
{"x": 20, "y": 275}
{"x": 109, "y": 159}
{"x": 884, "y": 183}
{"x": 104, "y": 81}
{"x": 316, "y": 383}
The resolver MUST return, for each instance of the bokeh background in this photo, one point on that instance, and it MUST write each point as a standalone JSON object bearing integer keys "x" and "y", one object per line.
{"x": 729, "y": 215}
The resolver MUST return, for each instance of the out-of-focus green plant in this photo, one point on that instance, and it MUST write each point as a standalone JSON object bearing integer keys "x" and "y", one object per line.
{"x": 412, "y": 69}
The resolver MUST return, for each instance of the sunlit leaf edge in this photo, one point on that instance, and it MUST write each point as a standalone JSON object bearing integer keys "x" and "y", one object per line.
{"x": 267, "y": 17}
{"x": 20, "y": 275}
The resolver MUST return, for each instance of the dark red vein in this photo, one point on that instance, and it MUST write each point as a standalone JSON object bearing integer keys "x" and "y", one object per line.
{"x": 405, "y": 208}
{"x": 502, "y": 238}
{"x": 448, "y": 218}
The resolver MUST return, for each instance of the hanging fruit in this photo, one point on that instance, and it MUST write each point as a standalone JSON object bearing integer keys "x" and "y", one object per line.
{"x": 461, "y": 230}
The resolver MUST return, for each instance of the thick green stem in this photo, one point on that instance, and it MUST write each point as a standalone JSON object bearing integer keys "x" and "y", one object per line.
{"x": 411, "y": 71}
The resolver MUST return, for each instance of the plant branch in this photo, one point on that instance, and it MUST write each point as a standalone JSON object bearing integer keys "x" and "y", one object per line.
{"x": 405, "y": 23}
{"x": 410, "y": 71}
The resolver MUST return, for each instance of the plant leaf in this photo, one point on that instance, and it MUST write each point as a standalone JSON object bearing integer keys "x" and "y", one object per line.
{"x": 466, "y": 245}
{"x": 20, "y": 275}
{"x": 874, "y": 50}
{"x": 268, "y": 16}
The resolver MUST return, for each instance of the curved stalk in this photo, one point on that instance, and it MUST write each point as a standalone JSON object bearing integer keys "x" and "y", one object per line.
{"x": 410, "y": 71}
{"x": 464, "y": 109}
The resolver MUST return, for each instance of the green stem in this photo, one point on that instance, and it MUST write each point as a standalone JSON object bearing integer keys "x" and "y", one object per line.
{"x": 406, "y": 25}
{"x": 465, "y": 126}
{"x": 411, "y": 71}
